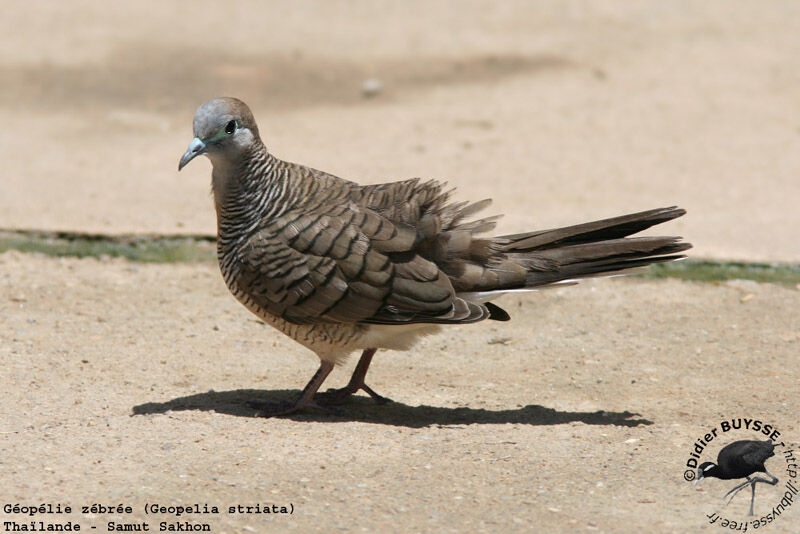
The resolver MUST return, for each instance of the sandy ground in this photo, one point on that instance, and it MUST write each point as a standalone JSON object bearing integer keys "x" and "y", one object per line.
{"x": 128, "y": 383}
{"x": 131, "y": 381}
{"x": 561, "y": 112}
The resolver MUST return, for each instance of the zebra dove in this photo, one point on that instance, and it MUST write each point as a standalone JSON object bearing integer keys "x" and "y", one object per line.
{"x": 341, "y": 267}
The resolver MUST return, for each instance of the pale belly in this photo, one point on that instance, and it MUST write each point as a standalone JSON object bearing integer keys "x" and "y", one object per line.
{"x": 334, "y": 342}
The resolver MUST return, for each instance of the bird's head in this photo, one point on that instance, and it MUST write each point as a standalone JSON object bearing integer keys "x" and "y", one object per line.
{"x": 705, "y": 469}
{"x": 224, "y": 129}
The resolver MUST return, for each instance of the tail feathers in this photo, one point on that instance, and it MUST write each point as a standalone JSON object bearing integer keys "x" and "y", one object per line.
{"x": 593, "y": 269}
{"x": 606, "y": 229}
{"x": 496, "y": 312}
{"x": 604, "y": 257}
{"x": 535, "y": 260}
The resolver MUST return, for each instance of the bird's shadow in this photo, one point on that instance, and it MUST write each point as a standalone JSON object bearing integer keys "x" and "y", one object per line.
{"x": 363, "y": 409}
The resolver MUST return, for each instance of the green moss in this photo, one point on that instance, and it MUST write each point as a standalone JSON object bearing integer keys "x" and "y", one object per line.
{"x": 717, "y": 271}
{"x": 193, "y": 248}
{"x": 159, "y": 249}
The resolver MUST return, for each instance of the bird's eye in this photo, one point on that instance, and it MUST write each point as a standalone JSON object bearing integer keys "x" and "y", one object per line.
{"x": 230, "y": 127}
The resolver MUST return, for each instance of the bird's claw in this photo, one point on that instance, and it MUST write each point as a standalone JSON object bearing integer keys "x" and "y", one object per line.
{"x": 336, "y": 396}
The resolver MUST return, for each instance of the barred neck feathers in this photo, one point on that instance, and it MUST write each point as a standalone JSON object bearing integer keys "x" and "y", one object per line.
{"x": 246, "y": 191}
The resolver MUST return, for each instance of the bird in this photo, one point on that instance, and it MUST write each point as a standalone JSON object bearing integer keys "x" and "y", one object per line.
{"x": 740, "y": 459}
{"x": 341, "y": 267}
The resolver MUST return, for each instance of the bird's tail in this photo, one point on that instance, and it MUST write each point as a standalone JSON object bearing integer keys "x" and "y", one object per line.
{"x": 533, "y": 260}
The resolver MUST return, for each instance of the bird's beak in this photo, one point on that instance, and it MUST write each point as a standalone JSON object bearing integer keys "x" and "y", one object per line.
{"x": 697, "y": 480}
{"x": 196, "y": 147}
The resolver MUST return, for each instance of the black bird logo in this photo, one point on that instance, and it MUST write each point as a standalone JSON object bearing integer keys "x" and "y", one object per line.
{"x": 740, "y": 459}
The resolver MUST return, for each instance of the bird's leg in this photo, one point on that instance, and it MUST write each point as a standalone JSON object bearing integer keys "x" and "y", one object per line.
{"x": 339, "y": 396}
{"x": 755, "y": 480}
{"x": 736, "y": 490}
{"x": 306, "y": 399}
{"x": 772, "y": 482}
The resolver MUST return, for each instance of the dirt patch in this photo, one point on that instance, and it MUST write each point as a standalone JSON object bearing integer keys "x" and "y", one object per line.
{"x": 130, "y": 385}
{"x": 560, "y": 116}
{"x": 292, "y": 80}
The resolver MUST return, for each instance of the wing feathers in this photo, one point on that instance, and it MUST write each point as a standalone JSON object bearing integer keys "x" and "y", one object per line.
{"x": 401, "y": 253}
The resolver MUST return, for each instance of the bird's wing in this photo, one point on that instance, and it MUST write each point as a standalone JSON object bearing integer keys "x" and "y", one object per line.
{"x": 757, "y": 452}
{"x": 424, "y": 205}
{"x": 744, "y": 455}
{"x": 347, "y": 263}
